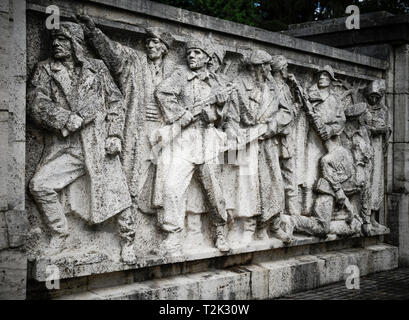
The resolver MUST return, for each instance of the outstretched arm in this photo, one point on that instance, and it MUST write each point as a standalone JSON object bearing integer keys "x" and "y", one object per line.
{"x": 120, "y": 60}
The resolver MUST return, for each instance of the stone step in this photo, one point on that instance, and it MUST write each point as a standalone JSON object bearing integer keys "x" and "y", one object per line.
{"x": 264, "y": 280}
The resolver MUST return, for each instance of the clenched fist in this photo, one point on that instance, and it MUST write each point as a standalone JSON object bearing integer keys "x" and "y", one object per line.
{"x": 88, "y": 25}
{"x": 186, "y": 119}
{"x": 74, "y": 122}
{"x": 113, "y": 146}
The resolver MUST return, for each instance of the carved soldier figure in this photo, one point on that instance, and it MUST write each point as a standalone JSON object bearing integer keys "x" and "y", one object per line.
{"x": 377, "y": 123}
{"x": 137, "y": 77}
{"x": 335, "y": 163}
{"x": 75, "y": 98}
{"x": 279, "y": 66}
{"x": 256, "y": 105}
{"x": 192, "y": 101}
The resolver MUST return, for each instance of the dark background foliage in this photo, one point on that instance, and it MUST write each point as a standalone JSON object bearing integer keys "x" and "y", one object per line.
{"x": 276, "y": 15}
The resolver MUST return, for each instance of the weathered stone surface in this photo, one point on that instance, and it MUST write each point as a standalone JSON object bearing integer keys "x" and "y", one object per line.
{"x": 398, "y": 205}
{"x": 127, "y": 131}
{"x": 284, "y": 277}
{"x": 4, "y": 239}
{"x": 181, "y": 104}
{"x": 13, "y": 272}
{"x": 80, "y": 264}
{"x": 17, "y": 226}
{"x": 16, "y": 175}
{"x": 4, "y": 146}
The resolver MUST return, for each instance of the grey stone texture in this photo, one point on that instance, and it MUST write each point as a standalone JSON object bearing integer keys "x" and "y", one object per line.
{"x": 13, "y": 218}
{"x": 117, "y": 178}
{"x": 13, "y": 275}
{"x": 384, "y": 36}
{"x": 255, "y": 281}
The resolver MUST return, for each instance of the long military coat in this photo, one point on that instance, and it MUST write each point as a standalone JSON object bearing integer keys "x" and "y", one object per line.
{"x": 262, "y": 189}
{"x": 137, "y": 79}
{"x": 95, "y": 98}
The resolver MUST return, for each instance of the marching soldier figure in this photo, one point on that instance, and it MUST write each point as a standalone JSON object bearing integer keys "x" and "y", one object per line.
{"x": 192, "y": 99}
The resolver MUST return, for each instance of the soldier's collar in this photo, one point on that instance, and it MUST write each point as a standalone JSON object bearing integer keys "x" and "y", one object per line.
{"x": 207, "y": 75}
{"x": 377, "y": 106}
{"x": 56, "y": 65}
{"x": 248, "y": 84}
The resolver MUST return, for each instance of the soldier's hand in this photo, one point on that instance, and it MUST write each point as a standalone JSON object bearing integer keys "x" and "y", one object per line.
{"x": 324, "y": 135}
{"x": 113, "y": 146}
{"x": 86, "y": 22}
{"x": 221, "y": 98}
{"x": 272, "y": 129}
{"x": 209, "y": 114}
{"x": 231, "y": 134}
{"x": 74, "y": 122}
{"x": 186, "y": 119}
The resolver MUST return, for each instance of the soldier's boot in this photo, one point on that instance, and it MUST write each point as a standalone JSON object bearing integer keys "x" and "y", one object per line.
{"x": 289, "y": 223}
{"x": 171, "y": 245}
{"x": 57, "y": 242}
{"x": 221, "y": 242}
{"x": 277, "y": 230}
{"x": 262, "y": 233}
{"x": 367, "y": 227}
{"x": 128, "y": 254}
{"x": 291, "y": 204}
{"x": 376, "y": 224}
{"x": 126, "y": 229}
{"x": 249, "y": 228}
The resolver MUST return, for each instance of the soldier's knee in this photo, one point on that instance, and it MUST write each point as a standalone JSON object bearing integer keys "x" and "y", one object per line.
{"x": 172, "y": 187}
{"x": 37, "y": 186}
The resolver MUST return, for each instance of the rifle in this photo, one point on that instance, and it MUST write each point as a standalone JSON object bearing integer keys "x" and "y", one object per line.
{"x": 164, "y": 136}
{"x": 308, "y": 109}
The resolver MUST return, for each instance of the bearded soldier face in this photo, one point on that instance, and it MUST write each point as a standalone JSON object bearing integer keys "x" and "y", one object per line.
{"x": 62, "y": 48}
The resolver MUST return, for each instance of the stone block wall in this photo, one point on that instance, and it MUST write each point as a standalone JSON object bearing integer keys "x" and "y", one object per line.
{"x": 13, "y": 218}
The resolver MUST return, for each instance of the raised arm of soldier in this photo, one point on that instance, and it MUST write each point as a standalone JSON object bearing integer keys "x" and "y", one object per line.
{"x": 120, "y": 60}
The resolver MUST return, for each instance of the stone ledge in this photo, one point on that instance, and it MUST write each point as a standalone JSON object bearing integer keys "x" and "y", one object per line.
{"x": 89, "y": 263}
{"x": 185, "y": 17}
{"x": 265, "y": 280}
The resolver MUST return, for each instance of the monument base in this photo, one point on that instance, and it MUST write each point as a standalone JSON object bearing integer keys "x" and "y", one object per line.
{"x": 263, "y": 275}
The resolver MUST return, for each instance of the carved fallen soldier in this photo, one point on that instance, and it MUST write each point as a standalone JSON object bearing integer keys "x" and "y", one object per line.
{"x": 137, "y": 76}
{"x": 192, "y": 100}
{"x": 257, "y": 106}
{"x": 76, "y": 100}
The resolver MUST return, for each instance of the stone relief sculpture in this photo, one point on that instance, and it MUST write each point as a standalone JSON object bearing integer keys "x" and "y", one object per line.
{"x": 137, "y": 128}
{"x": 287, "y": 140}
{"x": 192, "y": 100}
{"x": 137, "y": 77}
{"x": 75, "y": 99}
{"x": 257, "y": 105}
{"x": 377, "y": 122}
{"x": 335, "y": 163}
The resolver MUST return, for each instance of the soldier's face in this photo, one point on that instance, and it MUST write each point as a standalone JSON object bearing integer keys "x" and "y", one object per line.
{"x": 374, "y": 98}
{"x": 262, "y": 71}
{"x": 155, "y": 48}
{"x": 61, "y": 47}
{"x": 196, "y": 58}
{"x": 284, "y": 72}
{"x": 324, "y": 80}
